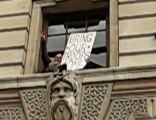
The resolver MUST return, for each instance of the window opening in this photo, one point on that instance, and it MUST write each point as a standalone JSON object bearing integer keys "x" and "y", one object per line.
{"x": 60, "y": 28}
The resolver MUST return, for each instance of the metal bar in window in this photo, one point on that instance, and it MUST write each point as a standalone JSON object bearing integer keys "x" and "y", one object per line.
{"x": 107, "y": 40}
{"x": 86, "y": 23}
{"x": 97, "y": 30}
{"x": 89, "y": 31}
{"x": 77, "y": 32}
{"x": 56, "y": 34}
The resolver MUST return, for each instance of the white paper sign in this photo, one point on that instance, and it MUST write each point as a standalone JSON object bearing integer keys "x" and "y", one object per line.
{"x": 78, "y": 50}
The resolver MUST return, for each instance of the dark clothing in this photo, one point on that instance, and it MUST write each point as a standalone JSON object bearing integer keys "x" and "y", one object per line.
{"x": 91, "y": 65}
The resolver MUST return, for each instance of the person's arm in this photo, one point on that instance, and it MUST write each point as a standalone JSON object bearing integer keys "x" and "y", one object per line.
{"x": 45, "y": 56}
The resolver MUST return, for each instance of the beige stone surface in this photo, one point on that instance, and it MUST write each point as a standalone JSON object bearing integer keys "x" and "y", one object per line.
{"x": 137, "y": 9}
{"x": 113, "y": 34}
{"x": 109, "y": 110}
{"x": 31, "y": 65}
{"x": 127, "y": 0}
{"x": 12, "y": 56}
{"x": 137, "y": 44}
{"x": 13, "y": 38}
{"x": 137, "y": 26}
{"x": 137, "y": 60}
{"x": 133, "y": 85}
{"x": 15, "y": 6}
{"x": 154, "y": 106}
{"x": 116, "y": 74}
{"x": 106, "y": 102}
{"x": 15, "y": 22}
{"x": 11, "y": 71}
{"x": 32, "y": 82}
{"x": 8, "y": 94}
{"x": 150, "y": 107}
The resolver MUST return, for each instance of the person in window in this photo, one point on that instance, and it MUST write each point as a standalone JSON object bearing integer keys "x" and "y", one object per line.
{"x": 51, "y": 64}
{"x": 54, "y": 63}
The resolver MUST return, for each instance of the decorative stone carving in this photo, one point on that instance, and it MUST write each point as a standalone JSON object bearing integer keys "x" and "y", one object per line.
{"x": 63, "y": 91}
{"x": 34, "y": 102}
{"x": 123, "y": 108}
{"x": 93, "y": 96}
{"x": 11, "y": 113}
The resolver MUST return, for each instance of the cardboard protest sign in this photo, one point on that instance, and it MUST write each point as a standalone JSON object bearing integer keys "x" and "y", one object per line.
{"x": 78, "y": 50}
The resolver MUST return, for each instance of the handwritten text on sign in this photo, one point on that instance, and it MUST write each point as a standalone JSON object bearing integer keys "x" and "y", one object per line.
{"x": 78, "y": 50}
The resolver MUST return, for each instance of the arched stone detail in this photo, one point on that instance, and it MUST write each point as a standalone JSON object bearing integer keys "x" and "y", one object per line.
{"x": 35, "y": 104}
{"x": 95, "y": 101}
{"x": 11, "y": 113}
{"x": 129, "y": 109}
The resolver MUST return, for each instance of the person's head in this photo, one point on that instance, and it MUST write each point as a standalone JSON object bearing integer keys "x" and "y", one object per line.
{"x": 58, "y": 58}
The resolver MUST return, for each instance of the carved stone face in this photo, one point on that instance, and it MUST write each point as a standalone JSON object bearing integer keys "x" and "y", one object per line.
{"x": 62, "y": 90}
{"x": 63, "y": 101}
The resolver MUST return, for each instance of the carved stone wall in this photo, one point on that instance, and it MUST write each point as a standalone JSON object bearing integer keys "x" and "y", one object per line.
{"x": 11, "y": 113}
{"x": 123, "y": 108}
{"x": 34, "y": 103}
{"x": 93, "y": 96}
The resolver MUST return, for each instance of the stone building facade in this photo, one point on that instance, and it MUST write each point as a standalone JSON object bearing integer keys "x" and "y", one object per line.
{"x": 124, "y": 90}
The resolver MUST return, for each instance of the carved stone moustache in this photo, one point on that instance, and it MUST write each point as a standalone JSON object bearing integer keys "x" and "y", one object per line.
{"x": 63, "y": 93}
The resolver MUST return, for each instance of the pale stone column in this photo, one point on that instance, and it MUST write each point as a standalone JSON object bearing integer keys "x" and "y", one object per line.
{"x": 113, "y": 33}
{"x": 34, "y": 40}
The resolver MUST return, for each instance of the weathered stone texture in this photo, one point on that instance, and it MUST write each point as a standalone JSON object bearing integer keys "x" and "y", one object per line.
{"x": 136, "y": 32}
{"x": 15, "y": 21}
{"x": 34, "y": 103}
{"x": 93, "y": 96}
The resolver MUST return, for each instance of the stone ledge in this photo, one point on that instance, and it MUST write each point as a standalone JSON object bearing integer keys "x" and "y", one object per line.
{"x": 105, "y": 75}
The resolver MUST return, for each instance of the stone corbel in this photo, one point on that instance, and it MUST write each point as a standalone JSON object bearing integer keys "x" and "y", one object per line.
{"x": 63, "y": 94}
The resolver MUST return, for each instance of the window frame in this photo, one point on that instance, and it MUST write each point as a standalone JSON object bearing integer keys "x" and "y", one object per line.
{"x": 41, "y": 8}
{"x": 45, "y": 30}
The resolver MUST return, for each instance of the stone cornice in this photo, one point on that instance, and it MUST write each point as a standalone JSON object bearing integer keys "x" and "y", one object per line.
{"x": 115, "y": 75}
{"x": 118, "y": 74}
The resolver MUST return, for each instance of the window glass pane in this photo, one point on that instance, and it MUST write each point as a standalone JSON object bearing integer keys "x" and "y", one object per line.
{"x": 101, "y": 25}
{"x": 56, "y": 43}
{"x": 76, "y": 26}
{"x": 99, "y": 59}
{"x": 100, "y": 39}
{"x": 56, "y": 29}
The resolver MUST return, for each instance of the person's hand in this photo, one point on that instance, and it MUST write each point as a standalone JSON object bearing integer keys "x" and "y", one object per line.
{"x": 43, "y": 37}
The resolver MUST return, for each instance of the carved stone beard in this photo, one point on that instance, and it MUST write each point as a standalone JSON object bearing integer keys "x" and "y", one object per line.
{"x": 63, "y": 109}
